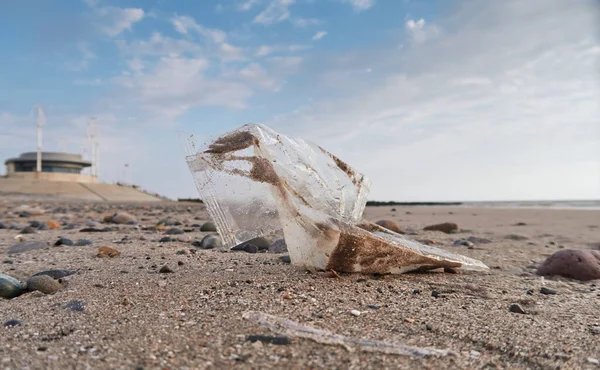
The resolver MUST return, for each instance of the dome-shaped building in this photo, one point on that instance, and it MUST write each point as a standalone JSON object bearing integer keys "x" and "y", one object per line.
{"x": 56, "y": 166}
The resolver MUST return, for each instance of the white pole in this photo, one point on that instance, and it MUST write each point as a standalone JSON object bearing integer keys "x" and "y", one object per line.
{"x": 39, "y": 148}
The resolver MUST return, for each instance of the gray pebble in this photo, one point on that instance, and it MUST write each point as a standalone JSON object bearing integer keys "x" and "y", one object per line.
{"x": 83, "y": 242}
{"x": 27, "y": 246}
{"x": 11, "y": 323}
{"x": 174, "y": 231}
{"x": 516, "y": 308}
{"x": 28, "y": 230}
{"x": 208, "y": 226}
{"x": 285, "y": 259}
{"x": 44, "y": 284}
{"x": 10, "y": 287}
{"x": 464, "y": 242}
{"x": 166, "y": 239}
{"x": 209, "y": 242}
{"x": 55, "y": 274}
{"x": 75, "y": 305}
{"x": 545, "y": 290}
{"x": 2, "y": 226}
{"x": 63, "y": 241}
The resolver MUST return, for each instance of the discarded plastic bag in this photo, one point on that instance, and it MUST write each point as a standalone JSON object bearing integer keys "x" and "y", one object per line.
{"x": 255, "y": 182}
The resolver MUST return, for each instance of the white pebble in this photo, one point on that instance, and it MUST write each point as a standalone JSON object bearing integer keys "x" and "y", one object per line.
{"x": 594, "y": 361}
{"x": 355, "y": 312}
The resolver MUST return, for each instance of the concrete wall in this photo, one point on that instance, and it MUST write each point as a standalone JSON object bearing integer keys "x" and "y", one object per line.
{"x": 53, "y": 176}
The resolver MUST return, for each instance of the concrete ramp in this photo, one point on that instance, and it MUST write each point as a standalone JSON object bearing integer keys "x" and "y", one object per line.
{"x": 72, "y": 190}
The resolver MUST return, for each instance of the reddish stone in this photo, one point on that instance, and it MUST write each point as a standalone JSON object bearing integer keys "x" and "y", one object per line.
{"x": 579, "y": 264}
{"x": 390, "y": 225}
{"x": 446, "y": 227}
{"x": 107, "y": 252}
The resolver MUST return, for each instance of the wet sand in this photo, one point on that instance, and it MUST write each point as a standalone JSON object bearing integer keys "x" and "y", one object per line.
{"x": 136, "y": 317}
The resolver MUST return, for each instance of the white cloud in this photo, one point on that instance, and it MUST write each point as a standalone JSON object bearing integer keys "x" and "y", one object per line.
{"x": 502, "y": 105}
{"x": 277, "y": 11}
{"x": 113, "y": 21}
{"x": 246, "y": 5}
{"x": 160, "y": 45}
{"x": 319, "y": 35}
{"x": 360, "y": 5}
{"x": 185, "y": 24}
{"x": 229, "y": 52}
{"x": 420, "y": 31}
{"x": 88, "y": 82}
{"x": 306, "y": 22}
{"x": 83, "y": 62}
{"x": 264, "y": 50}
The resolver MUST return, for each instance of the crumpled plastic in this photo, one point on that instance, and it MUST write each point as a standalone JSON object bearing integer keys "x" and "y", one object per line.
{"x": 255, "y": 182}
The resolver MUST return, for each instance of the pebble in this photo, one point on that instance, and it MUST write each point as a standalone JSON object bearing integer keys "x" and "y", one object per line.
{"x": 285, "y": 259}
{"x": 208, "y": 226}
{"x": 516, "y": 308}
{"x": 83, "y": 242}
{"x": 107, "y": 252}
{"x": 278, "y": 246}
{"x": 174, "y": 231}
{"x": 28, "y": 230}
{"x": 11, "y": 323}
{"x": 30, "y": 211}
{"x": 44, "y": 284}
{"x": 355, "y": 312}
{"x": 27, "y": 246}
{"x": 43, "y": 227}
{"x": 477, "y": 240}
{"x": 166, "y": 239}
{"x": 93, "y": 230}
{"x": 165, "y": 270}
{"x": 390, "y": 225}
{"x": 545, "y": 290}
{"x": 446, "y": 227}
{"x": 579, "y": 264}
{"x": 209, "y": 242}
{"x": 121, "y": 218}
{"x": 516, "y": 237}
{"x": 464, "y": 242}
{"x": 53, "y": 225}
{"x": 63, "y": 241}
{"x": 2, "y": 226}
{"x": 592, "y": 360}
{"x": 269, "y": 339}
{"x": 55, "y": 274}
{"x": 35, "y": 224}
{"x": 10, "y": 287}
{"x": 75, "y": 305}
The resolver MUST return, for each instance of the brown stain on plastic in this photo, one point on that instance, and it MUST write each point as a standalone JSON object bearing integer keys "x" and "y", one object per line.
{"x": 357, "y": 246}
{"x": 232, "y": 142}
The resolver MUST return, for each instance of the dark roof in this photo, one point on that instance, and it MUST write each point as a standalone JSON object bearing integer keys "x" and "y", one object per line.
{"x": 56, "y": 157}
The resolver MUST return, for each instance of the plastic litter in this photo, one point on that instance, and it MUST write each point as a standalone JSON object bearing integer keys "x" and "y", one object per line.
{"x": 292, "y": 329}
{"x": 256, "y": 182}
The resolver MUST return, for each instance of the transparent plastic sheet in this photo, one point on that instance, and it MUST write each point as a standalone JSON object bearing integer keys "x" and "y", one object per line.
{"x": 255, "y": 182}
{"x": 292, "y": 329}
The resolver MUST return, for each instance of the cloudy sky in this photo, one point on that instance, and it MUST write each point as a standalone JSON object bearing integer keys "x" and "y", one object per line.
{"x": 432, "y": 100}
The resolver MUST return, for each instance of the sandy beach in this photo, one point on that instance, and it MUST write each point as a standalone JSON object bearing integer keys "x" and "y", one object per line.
{"x": 123, "y": 313}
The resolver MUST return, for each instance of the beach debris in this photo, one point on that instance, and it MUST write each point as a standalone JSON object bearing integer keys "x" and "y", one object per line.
{"x": 390, "y": 225}
{"x": 293, "y": 329}
{"x": 579, "y": 264}
{"x": 446, "y": 227}
{"x": 256, "y": 182}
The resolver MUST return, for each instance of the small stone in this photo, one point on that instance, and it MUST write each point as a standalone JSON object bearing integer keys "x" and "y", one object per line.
{"x": 285, "y": 259}
{"x": 63, "y": 241}
{"x": 355, "y": 312}
{"x": 179, "y": 263}
{"x": 35, "y": 224}
{"x": 547, "y": 291}
{"x": 2, "y": 226}
{"x": 121, "y": 218}
{"x": 260, "y": 242}
{"x": 435, "y": 294}
{"x": 11, "y": 323}
{"x": 579, "y": 264}
{"x": 446, "y": 227}
{"x": 107, "y": 252}
{"x": 53, "y": 225}
{"x": 208, "y": 227}
{"x": 593, "y": 361}
{"x": 529, "y": 292}
{"x": 416, "y": 291}
{"x": 288, "y": 296}
{"x": 269, "y": 339}
{"x": 75, "y": 305}
{"x": 390, "y": 225}
{"x": 30, "y": 211}
{"x": 477, "y": 240}
{"x": 516, "y": 237}
{"x": 55, "y": 274}
{"x": 44, "y": 284}
{"x": 251, "y": 248}
{"x": 278, "y": 246}
{"x": 27, "y": 246}
{"x": 43, "y": 227}
{"x": 28, "y": 230}
{"x": 174, "y": 231}
{"x": 10, "y": 287}
{"x": 93, "y": 230}
{"x": 209, "y": 242}
{"x": 516, "y": 308}
{"x": 83, "y": 242}
{"x": 165, "y": 270}
{"x": 463, "y": 242}
{"x": 166, "y": 239}
{"x": 520, "y": 224}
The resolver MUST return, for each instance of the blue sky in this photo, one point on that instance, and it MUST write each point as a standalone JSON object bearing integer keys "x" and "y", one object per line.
{"x": 432, "y": 100}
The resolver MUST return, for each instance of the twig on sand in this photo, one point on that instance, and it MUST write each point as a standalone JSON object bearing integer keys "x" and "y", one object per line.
{"x": 290, "y": 328}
